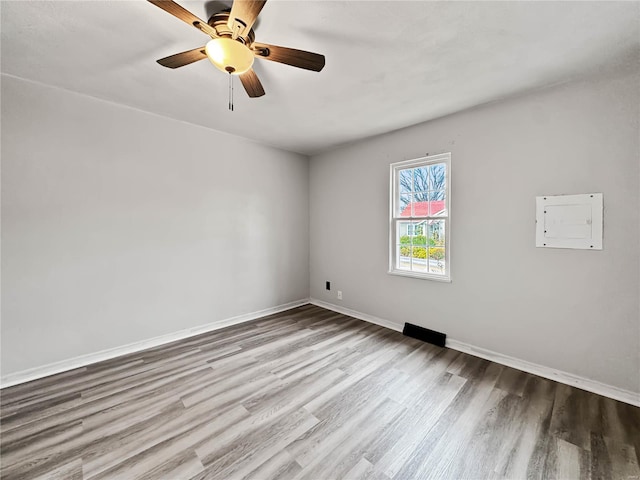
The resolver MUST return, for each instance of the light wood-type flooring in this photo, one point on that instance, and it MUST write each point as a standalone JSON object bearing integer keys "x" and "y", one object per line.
{"x": 310, "y": 393}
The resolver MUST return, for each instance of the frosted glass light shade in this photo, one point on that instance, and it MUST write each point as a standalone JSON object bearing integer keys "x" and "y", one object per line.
{"x": 229, "y": 56}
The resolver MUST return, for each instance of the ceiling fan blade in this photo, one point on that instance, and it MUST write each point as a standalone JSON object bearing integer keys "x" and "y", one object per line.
{"x": 290, "y": 56}
{"x": 243, "y": 15}
{"x": 251, "y": 83}
{"x": 185, "y": 15}
{"x": 183, "y": 58}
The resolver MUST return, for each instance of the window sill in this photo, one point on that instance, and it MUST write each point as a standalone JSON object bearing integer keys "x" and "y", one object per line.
{"x": 421, "y": 276}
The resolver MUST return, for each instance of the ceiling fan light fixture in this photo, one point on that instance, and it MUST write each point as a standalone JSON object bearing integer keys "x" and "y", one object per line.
{"x": 229, "y": 56}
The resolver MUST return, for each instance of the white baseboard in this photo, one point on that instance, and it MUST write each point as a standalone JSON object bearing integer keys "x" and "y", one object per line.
{"x": 84, "y": 360}
{"x": 560, "y": 376}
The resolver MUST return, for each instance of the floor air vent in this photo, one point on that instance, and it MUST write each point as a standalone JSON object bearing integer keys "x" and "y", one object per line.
{"x": 424, "y": 334}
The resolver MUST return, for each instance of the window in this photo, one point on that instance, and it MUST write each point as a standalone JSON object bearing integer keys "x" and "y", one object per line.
{"x": 419, "y": 221}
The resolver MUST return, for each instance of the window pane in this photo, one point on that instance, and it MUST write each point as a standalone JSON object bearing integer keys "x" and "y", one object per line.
{"x": 419, "y": 259}
{"x": 438, "y": 204}
{"x": 437, "y": 194}
{"x": 420, "y": 205}
{"x": 437, "y": 260}
{"x": 414, "y": 231}
{"x": 437, "y": 176}
{"x": 436, "y": 252}
{"x": 403, "y": 256}
{"x": 405, "y": 178}
{"x": 421, "y": 179}
{"x": 436, "y": 233}
{"x": 404, "y": 207}
{"x": 403, "y": 246}
{"x": 404, "y": 232}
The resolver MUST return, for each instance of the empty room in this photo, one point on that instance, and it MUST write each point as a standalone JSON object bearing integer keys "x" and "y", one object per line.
{"x": 320, "y": 240}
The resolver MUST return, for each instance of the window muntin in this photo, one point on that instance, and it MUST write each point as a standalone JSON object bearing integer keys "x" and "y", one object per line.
{"x": 420, "y": 216}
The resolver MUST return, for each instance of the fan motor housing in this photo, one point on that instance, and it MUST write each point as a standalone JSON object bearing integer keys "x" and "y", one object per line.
{"x": 219, "y": 21}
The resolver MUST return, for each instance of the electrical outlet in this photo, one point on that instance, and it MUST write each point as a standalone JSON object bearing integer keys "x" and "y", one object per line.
{"x": 327, "y": 285}
{"x": 339, "y": 294}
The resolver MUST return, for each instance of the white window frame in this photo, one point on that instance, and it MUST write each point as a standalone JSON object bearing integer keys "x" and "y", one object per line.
{"x": 394, "y": 198}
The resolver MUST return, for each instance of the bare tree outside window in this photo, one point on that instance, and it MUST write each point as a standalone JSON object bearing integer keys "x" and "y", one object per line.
{"x": 427, "y": 183}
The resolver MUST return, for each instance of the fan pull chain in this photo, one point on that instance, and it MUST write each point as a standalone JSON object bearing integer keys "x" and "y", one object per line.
{"x": 230, "y": 92}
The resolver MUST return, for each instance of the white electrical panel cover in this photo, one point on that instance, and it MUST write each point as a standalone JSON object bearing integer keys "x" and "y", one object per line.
{"x": 569, "y": 221}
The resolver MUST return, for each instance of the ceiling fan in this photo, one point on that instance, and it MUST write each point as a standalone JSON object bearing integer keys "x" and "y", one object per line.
{"x": 232, "y": 47}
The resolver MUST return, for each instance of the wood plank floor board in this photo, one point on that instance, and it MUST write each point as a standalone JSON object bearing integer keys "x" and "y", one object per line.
{"x": 575, "y": 415}
{"x": 126, "y": 433}
{"x": 354, "y": 392}
{"x": 572, "y": 461}
{"x": 334, "y": 426}
{"x": 67, "y": 471}
{"x": 624, "y": 463}
{"x": 94, "y": 406}
{"x": 47, "y": 444}
{"x": 512, "y": 381}
{"x": 336, "y": 457}
{"x": 294, "y": 393}
{"x": 38, "y": 461}
{"x": 152, "y": 377}
{"x": 281, "y": 466}
{"x": 232, "y": 388}
{"x": 152, "y": 445}
{"x": 487, "y": 437}
{"x": 45, "y": 408}
{"x": 296, "y": 366}
{"x": 439, "y": 454}
{"x": 83, "y": 379}
{"x": 521, "y": 439}
{"x": 184, "y": 464}
{"x": 254, "y": 449}
{"x": 310, "y": 394}
{"x": 419, "y": 384}
{"x": 398, "y": 443}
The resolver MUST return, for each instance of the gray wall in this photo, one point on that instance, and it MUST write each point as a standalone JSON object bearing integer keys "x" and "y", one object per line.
{"x": 118, "y": 226}
{"x": 572, "y": 310}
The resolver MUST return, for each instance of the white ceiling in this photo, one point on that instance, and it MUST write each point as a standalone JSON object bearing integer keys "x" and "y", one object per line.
{"x": 389, "y": 64}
